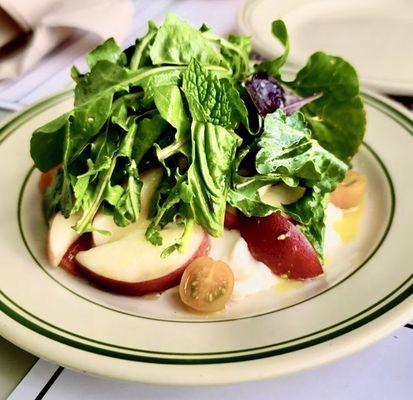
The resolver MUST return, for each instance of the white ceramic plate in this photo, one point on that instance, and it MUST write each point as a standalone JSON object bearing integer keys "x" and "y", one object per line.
{"x": 375, "y": 35}
{"x": 365, "y": 295}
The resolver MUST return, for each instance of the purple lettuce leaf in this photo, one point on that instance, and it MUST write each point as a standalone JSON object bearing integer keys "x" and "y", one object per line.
{"x": 268, "y": 95}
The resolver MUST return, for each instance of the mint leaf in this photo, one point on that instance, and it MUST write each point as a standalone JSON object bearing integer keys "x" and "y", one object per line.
{"x": 211, "y": 99}
{"x": 213, "y": 152}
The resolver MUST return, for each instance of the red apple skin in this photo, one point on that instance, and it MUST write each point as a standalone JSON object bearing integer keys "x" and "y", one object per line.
{"x": 83, "y": 243}
{"x": 231, "y": 218}
{"x": 278, "y": 243}
{"x": 46, "y": 178}
{"x": 144, "y": 287}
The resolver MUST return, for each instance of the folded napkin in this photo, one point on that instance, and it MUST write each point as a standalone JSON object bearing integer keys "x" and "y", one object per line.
{"x": 29, "y": 29}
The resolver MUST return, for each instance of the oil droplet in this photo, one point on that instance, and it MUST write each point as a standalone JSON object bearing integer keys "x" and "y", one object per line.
{"x": 287, "y": 285}
{"x": 152, "y": 296}
{"x": 348, "y": 226}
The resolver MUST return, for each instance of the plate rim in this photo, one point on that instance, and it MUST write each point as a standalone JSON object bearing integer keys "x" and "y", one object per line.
{"x": 403, "y": 117}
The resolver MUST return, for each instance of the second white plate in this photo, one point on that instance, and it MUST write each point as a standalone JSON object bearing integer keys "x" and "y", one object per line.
{"x": 375, "y": 35}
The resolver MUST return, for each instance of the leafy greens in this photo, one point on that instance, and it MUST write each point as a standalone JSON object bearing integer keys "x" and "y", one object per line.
{"x": 182, "y": 99}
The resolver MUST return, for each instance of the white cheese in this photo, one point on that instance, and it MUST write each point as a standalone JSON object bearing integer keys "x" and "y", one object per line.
{"x": 251, "y": 276}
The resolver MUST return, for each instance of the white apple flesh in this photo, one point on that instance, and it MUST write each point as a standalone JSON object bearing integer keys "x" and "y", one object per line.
{"x": 103, "y": 222}
{"x": 61, "y": 236}
{"x": 133, "y": 266}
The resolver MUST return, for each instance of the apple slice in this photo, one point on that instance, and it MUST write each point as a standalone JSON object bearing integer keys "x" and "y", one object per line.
{"x": 103, "y": 222}
{"x": 133, "y": 266}
{"x": 278, "y": 243}
{"x": 84, "y": 242}
{"x": 231, "y": 218}
{"x": 61, "y": 236}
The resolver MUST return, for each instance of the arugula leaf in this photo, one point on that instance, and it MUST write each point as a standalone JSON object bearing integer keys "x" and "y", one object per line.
{"x": 103, "y": 149}
{"x": 279, "y": 30}
{"x": 140, "y": 55}
{"x": 211, "y": 99}
{"x": 94, "y": 96}
{"x": 150, "y": 84}
{"x": 46, "y": 144}
{"x": 148, "y": 131}
{"x": 108, "y": 50}
{"x": 52, "y": 195}
{"x": 169, "y": 102}
{"x": 104, "y": 185}
{"x": 182, "y": 243}
{"x": 103, "y": 79}
{"x": 153, "y": 234}
{"x": 337, "y": 119}
{"x": 166, "y": 208}
{"x": 309, "y": 211}
{"x": 128, "y": 207}
{"x": 122, "y": 106}
{"x": 287, "y": 149}
{"x": 177, "y": 43}
{"x": 245, "y": 197}
{"x": 244, "y": 191}
{"x": 67, "y": 200}
{"x": 213, "y": 151}
{"x": 236, "y": 49}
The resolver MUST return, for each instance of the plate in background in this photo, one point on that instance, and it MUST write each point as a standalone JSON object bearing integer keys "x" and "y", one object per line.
{"x": 376, "y": 36}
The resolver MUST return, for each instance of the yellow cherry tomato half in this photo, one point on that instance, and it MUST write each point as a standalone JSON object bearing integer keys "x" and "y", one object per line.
{"x": 206, "y": 285}
{"x": 350, "y": 192}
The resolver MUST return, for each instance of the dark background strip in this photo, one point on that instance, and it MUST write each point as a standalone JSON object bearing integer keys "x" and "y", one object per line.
{"x": 49, "y": 383}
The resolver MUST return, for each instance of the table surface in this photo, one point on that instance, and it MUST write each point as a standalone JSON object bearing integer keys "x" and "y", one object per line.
{"x": 382, "y": 371}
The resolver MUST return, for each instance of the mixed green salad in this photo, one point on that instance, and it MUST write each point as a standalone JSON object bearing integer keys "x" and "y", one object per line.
{"x": 220, "y": 126}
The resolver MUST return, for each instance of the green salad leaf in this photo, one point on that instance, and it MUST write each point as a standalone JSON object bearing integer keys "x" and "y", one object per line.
{"x": 279, "y": 30}
{"x": 109, "y": 51}
{"x": 287, "y": 149}
{"x": 309, "y": 211}
{"x": 46, "y": 144}
{"x": 170, "y": 103}
{"x": 177, "y": 43}
{"x": 213, "y": 151}
{"x": 337, "y": 118}
{"x": 212, "y": 99}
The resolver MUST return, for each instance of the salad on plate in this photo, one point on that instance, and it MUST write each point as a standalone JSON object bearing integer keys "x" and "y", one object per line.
{"x": 185, "y": 162}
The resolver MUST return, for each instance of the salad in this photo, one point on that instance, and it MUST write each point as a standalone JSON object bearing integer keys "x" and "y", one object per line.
{"x": 183, "y": 157}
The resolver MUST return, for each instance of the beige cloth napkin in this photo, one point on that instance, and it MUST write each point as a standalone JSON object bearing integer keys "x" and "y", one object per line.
{"x": 29, "y": 29}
